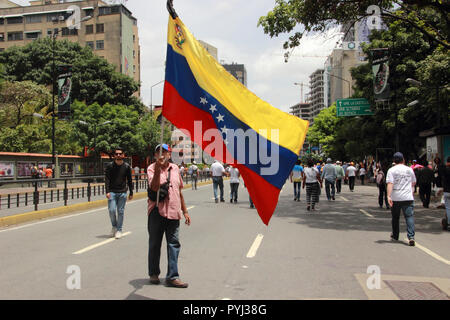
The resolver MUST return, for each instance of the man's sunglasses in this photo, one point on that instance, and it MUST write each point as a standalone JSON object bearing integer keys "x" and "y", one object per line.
{"x": 118, "y": 153}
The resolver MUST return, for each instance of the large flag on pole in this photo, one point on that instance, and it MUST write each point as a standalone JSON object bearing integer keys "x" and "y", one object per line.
{"x": 228, "y": 121}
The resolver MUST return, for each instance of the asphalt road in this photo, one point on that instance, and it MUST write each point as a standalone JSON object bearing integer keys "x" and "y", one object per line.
{"x": 228, "y": 253}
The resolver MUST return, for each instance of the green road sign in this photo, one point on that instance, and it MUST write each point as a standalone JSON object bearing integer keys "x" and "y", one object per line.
{"x": 353, "y": 107}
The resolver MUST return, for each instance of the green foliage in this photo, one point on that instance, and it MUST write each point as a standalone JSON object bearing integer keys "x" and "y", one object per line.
{"x": 19, "y": 100}
{"x": 430, "y": 18}
{"x": 94, "y": 79}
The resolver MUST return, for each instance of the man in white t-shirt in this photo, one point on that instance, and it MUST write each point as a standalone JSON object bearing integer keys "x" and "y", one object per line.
{"x": 218, "y": 171}
{"x": 400, "y": 181}
{"x": 350, "y": 174}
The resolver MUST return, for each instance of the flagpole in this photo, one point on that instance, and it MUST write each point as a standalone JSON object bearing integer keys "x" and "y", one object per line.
{"x": 171, "y": 10}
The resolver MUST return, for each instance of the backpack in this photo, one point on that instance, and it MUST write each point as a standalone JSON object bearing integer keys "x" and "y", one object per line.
{"x": 380, "y": 177}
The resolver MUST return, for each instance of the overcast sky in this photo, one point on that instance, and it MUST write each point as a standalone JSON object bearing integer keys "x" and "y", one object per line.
{"x": 230, "y": 26}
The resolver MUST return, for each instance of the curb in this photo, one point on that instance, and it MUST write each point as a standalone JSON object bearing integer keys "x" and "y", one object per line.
{"x": 65, "y": 210}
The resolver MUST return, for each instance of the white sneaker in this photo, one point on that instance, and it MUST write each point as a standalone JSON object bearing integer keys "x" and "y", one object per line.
{"x": 118, "y": 235}
{"x": 113, "y": 231}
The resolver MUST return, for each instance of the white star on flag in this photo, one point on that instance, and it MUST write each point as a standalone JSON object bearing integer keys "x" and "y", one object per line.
{"x": 224, "y": 129}
{"x": 220, "y": 118}
{"x": 213, "y": 108}
{"x": 203, "y": 101}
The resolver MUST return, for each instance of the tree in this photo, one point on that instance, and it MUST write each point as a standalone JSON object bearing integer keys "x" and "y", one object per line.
{"x": 429, "y": 17}
{"x": 94, "y": 79}
{"x": 19, "y": 100}
{"x": 138, "y": 135}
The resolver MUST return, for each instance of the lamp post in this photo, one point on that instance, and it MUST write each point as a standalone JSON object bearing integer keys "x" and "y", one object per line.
{"x": 417, "y": 83}
{"x": 55, "y": 33}
{"x": 348, "y": 82}
{"x": 151, "y": 95}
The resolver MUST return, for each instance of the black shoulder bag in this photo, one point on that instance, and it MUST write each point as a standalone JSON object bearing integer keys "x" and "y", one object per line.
{"x": 163, "y": 190}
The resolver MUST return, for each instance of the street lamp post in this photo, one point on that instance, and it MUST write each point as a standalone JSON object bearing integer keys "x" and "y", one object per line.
{"x": 151, "y": 95}
{"x": 348, "y": 82}
{"x": 55, "y": 33}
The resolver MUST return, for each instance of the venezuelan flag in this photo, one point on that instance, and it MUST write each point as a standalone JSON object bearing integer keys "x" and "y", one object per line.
{"x": 198, "y": 88}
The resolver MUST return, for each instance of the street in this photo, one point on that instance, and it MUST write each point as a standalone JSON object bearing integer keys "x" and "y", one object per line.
{"x": 229, "y": 254}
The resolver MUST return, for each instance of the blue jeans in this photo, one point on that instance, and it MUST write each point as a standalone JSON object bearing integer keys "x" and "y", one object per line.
{"x": 297, "y": 189}
{"x": 329, "y": 184}
{"x": 117, "y": 203}
{"x": 218, "y": 182}
{"x": 447, "y": 205}
{"x": 157, "y": 226}
{"x": 408, "y": 211}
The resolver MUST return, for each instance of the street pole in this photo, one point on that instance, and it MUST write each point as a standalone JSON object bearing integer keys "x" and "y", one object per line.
{"x": 55, "y": 32}
{"x": 151, "y": 95}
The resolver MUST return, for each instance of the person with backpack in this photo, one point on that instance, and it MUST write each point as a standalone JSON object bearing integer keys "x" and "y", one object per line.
{"x": 117, "y": 177}
{"x": 296, "y": 178}
{"x": 35, "y": 174}
{"x": 382, "y": 187}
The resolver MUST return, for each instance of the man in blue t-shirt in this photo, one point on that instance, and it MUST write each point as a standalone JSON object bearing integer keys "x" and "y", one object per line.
{"x": 296, "y": 178}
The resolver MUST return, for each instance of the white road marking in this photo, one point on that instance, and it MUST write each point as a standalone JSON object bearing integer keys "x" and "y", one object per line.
{"x": 254, "y": 248}
{"x": 99, "y": 244}
{"x": 366, "y": 213}
{"x": 431, "y": 253}
{"x": 344, "y": 199}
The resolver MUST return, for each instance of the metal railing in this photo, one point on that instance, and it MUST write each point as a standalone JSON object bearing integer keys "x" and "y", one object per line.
{"x": 45, "y": 191}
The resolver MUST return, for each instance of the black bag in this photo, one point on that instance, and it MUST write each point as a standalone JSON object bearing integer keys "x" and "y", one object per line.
{"x": 163, "y": 190}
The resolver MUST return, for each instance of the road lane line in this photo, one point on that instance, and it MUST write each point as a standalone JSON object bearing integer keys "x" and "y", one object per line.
{"x": 431, "y": 253}
{"x": 344, "y": 199}
{"x": 99, "y": 244}
{"x": 254, "y": 248}
{"x": 366, "y": 213}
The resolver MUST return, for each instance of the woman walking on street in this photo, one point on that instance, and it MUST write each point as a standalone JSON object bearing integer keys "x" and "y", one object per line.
{"x": 313, "y": 184}
{"x": 382, "y": 187}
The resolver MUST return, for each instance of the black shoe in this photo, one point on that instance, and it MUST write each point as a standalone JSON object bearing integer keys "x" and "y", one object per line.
{"x": 334, "y": 199}
{"x": 252, "y": 207}
{"x": 308, "y": 208}
{"x": 222, "y": 200}
{"x": 235, "y": 200}
{"x": 412, "y": 243}
{"x": 217, "y": 200}
{"x": 231, "y": 200}
{"x": 392, "y": 238}
{"x": 154, "y": 280}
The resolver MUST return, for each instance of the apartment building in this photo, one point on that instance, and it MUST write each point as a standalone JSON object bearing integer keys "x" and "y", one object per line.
{"x": 112, "y": 32}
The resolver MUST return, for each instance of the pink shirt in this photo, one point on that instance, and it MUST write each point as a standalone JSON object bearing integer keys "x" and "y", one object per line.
{"x": 169, "y": 209}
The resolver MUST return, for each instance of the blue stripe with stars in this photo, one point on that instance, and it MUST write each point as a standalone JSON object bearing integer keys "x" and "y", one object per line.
{"x": 179, "y": 75}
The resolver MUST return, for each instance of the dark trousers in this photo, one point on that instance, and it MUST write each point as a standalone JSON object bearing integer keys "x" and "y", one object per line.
{"x": 362, "y": 177}
{"x": 382, "y": 195}
{"x": 328, "y": 185}
{"x": 351, "y": 183}
{"x": 338, "y": 185}
{"x": 157, "y": 226}
{"x": 234, "y": 191}
{"x": 218, "y": 183}
{"x": 425, "y": 194}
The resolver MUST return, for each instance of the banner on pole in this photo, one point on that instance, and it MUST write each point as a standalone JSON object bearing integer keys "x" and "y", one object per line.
{"x": 64, "y": 89}
{"x": 380, "y": 69}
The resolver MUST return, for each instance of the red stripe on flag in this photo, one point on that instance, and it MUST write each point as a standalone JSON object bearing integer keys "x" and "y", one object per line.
{"x": 183, "y": 115}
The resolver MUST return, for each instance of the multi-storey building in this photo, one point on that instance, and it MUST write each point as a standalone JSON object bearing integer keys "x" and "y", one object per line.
{"x": 111, "y": 33}
{"x": 317, "y": 93}
{"x": 238, "y": 71}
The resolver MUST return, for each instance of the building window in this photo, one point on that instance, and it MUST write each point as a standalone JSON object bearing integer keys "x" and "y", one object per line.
{"x": 49, "y": 33}
{"x": 100, "y": 45}
{"x": 89, "y": 12}
{"x": 134, "y": 38}
{"x": 2, "y": 37}
{"x": 33, "y": 19}
{"x": 2, "y": 21}
{"x": 55, "y": 17}
{"x": 90, "y": 29}
{"x": 2, "y": 49}
{"x": 32, "y": 35}
{"x": 100, "y": 28}
{"x": 69, "y": 32}
{"x": 134, "y": 68}
{"x": 15, "y": 20}
{"x": 134, "y": 53}
{"x": 108, "y": 10}
{"x": 15, "y": 36}
{"x": 90, "y": 44}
